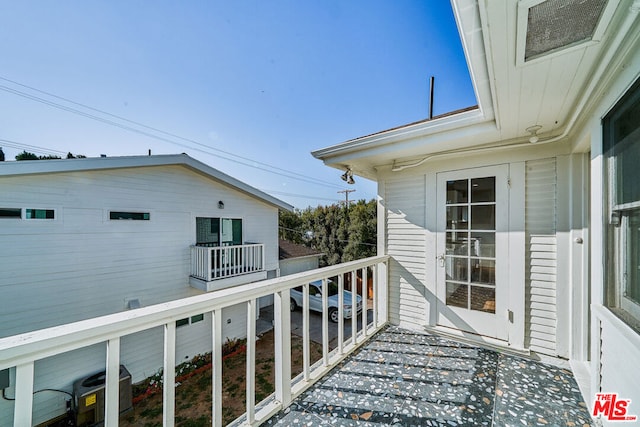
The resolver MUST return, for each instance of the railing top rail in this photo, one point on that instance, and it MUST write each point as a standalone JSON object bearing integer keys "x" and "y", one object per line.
{"x": 35, "y": 345}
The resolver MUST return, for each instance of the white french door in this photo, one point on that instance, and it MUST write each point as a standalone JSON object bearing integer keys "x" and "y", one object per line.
{"x": 472, "y": 248}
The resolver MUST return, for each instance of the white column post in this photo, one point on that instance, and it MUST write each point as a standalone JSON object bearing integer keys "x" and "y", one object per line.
{"x": 169, "y": 383}
{"x": 216, "y": 371}
{"x": 112, "y": 384}
{"x": 282, "y": 316}
{"x": 354, "y": 307}
{"x": 305, "y": 332}
{"x": 23, "y": 409}
{"x": 325, "y": 324}
{"x": 340, "y": 312}
{"x": 251, "y": 360}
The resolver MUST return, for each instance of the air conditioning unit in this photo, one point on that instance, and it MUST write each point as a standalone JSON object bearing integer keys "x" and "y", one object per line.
{"x": 89, "y": 397}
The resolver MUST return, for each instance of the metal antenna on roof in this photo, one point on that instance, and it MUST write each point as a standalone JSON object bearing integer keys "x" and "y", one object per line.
{"x": 431, "y": 83}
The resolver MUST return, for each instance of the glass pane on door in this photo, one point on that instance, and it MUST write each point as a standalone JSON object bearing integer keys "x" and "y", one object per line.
{"x": 470, "y": 253}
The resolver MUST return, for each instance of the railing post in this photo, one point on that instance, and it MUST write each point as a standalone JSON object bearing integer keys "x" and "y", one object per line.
{"x": 340, "y": 313}
{"x": 325, "y": 323}
{"x": 22, "y": 413}
{"x": 305, "y": 332}
{"x": 382, "y": 291}
{"x": 208, "y": 263}
{"x": 251, "y": 360}
{"x": 354, "y": 307}
{"x": 216, "y": 371}
{"x": 365, "y": 288}
{"x": 375, "y": 295}
{"x": 169, "y": 383}
{"x": 282, "y": 324}
{"x": 112, "y": 383}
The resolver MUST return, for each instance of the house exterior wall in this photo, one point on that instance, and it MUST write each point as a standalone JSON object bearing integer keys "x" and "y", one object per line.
{"x": 410, "y": 236}
{"x": 615, "y": 346}
{"x": 82, "y": 264}
{"x": 297, "y": 265}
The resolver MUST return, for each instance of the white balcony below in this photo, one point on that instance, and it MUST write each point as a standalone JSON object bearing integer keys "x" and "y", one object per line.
{"x": 219, "y": 267}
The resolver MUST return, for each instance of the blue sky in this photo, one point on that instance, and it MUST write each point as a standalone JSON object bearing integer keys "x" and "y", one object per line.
{"x": 269, "y": 81}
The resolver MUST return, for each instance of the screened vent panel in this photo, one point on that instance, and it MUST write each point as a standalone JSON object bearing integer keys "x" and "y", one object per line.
{"x": 556, "y": 24}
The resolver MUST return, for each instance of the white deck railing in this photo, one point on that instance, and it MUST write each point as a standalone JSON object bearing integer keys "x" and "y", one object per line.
{"x": 22, "y": 351}
{"x": 212, "y": 263}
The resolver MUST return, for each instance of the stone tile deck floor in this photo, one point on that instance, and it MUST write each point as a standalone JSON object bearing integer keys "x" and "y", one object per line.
{"x": 403, "y": 378}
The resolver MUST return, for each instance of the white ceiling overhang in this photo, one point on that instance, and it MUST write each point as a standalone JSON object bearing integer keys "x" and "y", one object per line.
{"x": 549, "y": 83}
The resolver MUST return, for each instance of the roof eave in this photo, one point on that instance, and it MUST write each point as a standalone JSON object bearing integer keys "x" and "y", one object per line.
{"x": 36, "y": 167}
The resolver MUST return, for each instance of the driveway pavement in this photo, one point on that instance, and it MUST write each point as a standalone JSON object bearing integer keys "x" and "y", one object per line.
{"x": 315, "y": 326}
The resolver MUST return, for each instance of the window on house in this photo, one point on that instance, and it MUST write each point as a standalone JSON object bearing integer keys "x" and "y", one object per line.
{"x": 621, "y": 137}
{"x": 190, "y": 320}
{"x": 10, "y": 213}
{"x": 137, "y": 216}
{"x": 218, "y": 231}
{"x": 39, "y": 214}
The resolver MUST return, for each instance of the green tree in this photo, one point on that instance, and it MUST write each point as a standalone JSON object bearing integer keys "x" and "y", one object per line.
{"x": 25, "y": 155}
{"x": 341, "y": 233}
{"x": 290, "y": 224}
{"x": 1, "y": 155}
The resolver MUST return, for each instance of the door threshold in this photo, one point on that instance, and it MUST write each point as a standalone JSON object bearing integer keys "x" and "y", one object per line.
{"x": 478, "y": 340}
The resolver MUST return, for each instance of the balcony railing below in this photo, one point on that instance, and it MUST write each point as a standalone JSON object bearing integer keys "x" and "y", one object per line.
{"x": 21, "y": 352}
{"x": 220, "y": 262}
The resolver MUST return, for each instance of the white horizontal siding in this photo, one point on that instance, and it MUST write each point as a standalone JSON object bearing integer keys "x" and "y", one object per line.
{"x": 405, "y": 203}
{"x": 82, "y": 265}
{"x": 541, "y": 256}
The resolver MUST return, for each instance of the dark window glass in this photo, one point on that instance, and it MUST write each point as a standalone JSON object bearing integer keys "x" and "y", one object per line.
{"x": 40, "y": 214}
{"x": 182, "y": 322}
{"x": 197, "y": 318}
{"x": 10, "y": 213}
{"x": 137, "y": 216}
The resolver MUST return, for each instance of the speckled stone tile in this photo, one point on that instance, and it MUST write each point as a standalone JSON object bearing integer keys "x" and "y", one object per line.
{"x": 529, "y": 393}
{"x": 406, "y": 378}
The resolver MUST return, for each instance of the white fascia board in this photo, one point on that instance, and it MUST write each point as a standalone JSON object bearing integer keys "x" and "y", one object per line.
{"x": 394, "y": 136}
{"x": 36, "y": 167}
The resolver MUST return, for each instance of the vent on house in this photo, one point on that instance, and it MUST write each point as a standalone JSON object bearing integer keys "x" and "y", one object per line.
{"x": 552, "y": 25}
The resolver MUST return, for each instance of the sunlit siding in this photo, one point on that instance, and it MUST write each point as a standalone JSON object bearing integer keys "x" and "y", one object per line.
{"x": 405, "y": 203}
{"x": 541, "y": 256}
{"x": 83, "y": 265}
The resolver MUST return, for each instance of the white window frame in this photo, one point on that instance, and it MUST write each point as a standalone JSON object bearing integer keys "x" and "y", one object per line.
{"x": 618, "y": 223}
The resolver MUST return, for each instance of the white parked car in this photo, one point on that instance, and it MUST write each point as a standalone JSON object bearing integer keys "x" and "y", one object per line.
{"x": 315, "y": 299}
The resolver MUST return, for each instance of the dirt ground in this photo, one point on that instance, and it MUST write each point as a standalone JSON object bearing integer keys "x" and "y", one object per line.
{"x": 193, "y": 394}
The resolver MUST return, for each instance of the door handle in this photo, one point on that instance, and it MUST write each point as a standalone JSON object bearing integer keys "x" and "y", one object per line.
{"x": 441, "y": 259}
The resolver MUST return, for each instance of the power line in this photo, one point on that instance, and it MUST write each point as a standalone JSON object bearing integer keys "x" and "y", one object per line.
{"x": 336, "y": 240}
{"x": 281, "y": 193}
{"x": 33, "y": 148}
{"x": 283, "y": 172}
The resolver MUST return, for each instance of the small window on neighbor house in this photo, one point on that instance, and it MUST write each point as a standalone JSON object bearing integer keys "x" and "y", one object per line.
{"x": 40, "y": 214}
{"x": 10, "y": 213}
{"x": 136, "y": 216}
{"x": 197, "y": 318}
{"x": 182, "y": 322}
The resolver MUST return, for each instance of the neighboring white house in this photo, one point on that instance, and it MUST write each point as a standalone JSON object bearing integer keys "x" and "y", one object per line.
{"x": 517, "y": 222}
{"x": 295, "y": 258}
{"x": 81, "y": 238}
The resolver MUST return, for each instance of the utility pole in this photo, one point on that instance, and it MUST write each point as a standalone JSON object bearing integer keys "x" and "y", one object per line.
{"x": 346, "y": 196}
